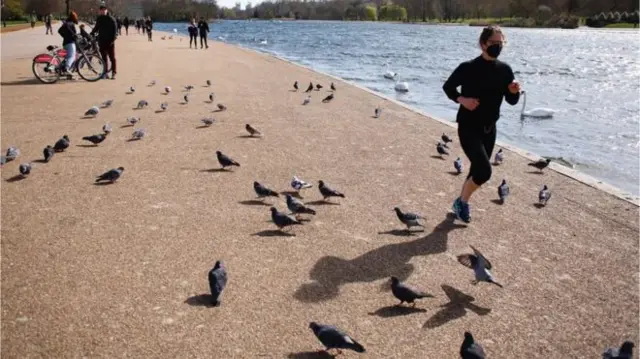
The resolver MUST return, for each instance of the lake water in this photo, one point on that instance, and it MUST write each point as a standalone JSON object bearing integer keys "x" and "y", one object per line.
{"x": 590, "y": 77}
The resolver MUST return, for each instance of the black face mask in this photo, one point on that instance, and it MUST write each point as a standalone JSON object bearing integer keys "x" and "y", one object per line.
{"x": 494, "y": 50}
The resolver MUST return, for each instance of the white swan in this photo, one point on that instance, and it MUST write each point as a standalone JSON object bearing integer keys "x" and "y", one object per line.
{"x": 390, "y": 74}
{"x": 175, "y": 31}
{"x": 536, "y": 112}
{"x": 402, "y": 87}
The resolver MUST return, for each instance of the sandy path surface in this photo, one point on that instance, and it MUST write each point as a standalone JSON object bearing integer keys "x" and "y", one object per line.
{"x": 115, "y": 271}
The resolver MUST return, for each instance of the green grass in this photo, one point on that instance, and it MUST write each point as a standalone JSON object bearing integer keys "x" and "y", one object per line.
{"x": 620, "y": 25}
{"x": 15, "y": 22}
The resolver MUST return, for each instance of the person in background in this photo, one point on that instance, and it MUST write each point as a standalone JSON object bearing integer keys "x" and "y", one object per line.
{"x": 47, "y": 23}
{"x": 137, "y": 21}
{"x": 119, "y": 23}
{"x": 107, "y": 28}
{"x": 193, "y": 34}
{"x": 204, "y": 32}
{"x": 33, "y": 19}
{"x": 125, "y": 22}
{"x": 143, "y": 26}
{"x": 149, "y": 26}
{"x": 68, "y": 33}
{"x": 484, "y": 82}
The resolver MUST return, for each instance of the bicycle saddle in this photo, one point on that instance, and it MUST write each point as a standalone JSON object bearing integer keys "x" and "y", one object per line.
{"x": 51, "y": 47}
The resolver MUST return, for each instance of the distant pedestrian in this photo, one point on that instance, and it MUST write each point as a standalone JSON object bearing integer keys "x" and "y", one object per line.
{"x": 137, "y": 21}
{"x": 119, "y": 23}
{"x": 193, "y": 34}
{"x": 204, "y": 32}
{"x": 149, "y": 26}
{"x": 34, "y": 18}
{"x": 125, "y": 23}
{"x": 143, "y": 26}
{"x": 47, "y": 23}
{"x": 107, "y": 29}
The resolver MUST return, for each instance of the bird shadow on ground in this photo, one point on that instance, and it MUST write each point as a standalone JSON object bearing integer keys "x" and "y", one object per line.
{"x": 107, "y": 183}
{"x": 293, "y": 90}
{"x": 329, "y": 273}
{"x": 164, "y": 93}
{"x": 200, "y": 300}
{"x": 455, "y": 309}
{"x": 129, "y": 93}
{"x": 254, "y": 202}
{"x": 495, "y": 164}
{"x": 535, "y": 172}
{"x": 311, "y": 355}
{"x": 39, "y": 160}
{"x": 218, "y": 110}
{"x": 86, "y": 117}
{"x": 133, "y": 139}
{"x": 26, "y": 81}
{"x": 87, "y": 146}
{"x": 292, "y": 194}
{"x": 273, "y": 233}
{"x": 203, "y": 126}
{"x": 454, "y": 173}
{"x": 159, "y": 111}
{"x": 184, "y": 103}
{"x": 497, "y": 201}
{"x": 136, "y": 108}
{"x": 401, "y": 232}
{"x": 125, "y": 126}
{"x": 247, "y": 136}
{"x": 15, "y": 178}
{"x": 396, "y": 311}
{"x": 322, "y": 202}
{"x": 538, "y": 205}
{"x": 214, "y": 170}
{"x": 437, "y": 157}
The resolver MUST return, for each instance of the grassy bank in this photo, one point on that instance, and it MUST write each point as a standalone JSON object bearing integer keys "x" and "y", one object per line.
{"x": 17, "y": 25}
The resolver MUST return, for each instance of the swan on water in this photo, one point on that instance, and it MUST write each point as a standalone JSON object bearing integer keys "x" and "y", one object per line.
{"x": 389, "y": 74}
{"x": 175, "y": 30}
{"x": 536, "y": 112}
{"x": 402, "y": 87}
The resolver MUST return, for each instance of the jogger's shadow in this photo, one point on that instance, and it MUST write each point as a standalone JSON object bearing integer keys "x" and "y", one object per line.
{"x": 329, "y": 273}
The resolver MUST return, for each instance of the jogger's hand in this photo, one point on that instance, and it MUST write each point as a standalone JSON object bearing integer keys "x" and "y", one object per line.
{"x": 468, "y": 102}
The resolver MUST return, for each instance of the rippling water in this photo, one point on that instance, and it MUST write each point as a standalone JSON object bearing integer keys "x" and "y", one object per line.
{"x": 591, "y": 77}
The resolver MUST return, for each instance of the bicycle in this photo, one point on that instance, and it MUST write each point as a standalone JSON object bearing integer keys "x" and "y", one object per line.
{"x": 49, "y": 67}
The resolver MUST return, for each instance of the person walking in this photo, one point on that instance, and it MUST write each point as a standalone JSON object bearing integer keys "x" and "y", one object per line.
{"x": 107, "y": 29}
{"x": 484, "y": 81}
{"x": 204, "y": 32}
{"x": 68, "y": 32}
{"x": 143, "y": 26}
{"x": 119, "y": 24}
{"x": 149, "y": 26}
{"x": 125, "y": 23}
{"x": 47, "y": 23}
{"x": 193, "y": 34}
{"x": 33, "y": 19}
{"x": 138, "y": 25}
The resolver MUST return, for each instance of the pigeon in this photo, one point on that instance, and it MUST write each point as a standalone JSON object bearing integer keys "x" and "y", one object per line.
{"x": 111, "y": 175}
{"x": 377, "y": 112}
{"x": 152, "y": 83}
{"x": 225, "y": 161}
{"x": 297, "y": 207}
{"x": 12, "y": 154}
{"x": 164, "y": 106}
{"x": 333, "y": 338}
{"x": 405, "y": 293}
{"x": 306, "y": 101}
{"x": 106, "y": 128}
{"x": 282, "y": 220}
{"x": 333, "y": 87}
{"x": 167, "y": 89}
{"x": 95, "y": 139}
{"x": 295, "y": 85}
{"x": 446, "y": 139}
{"x": 541, "y": 164}
{"x": 252, "y": 131}
{"x": 107, "y": 103}
{"x": 3, "y": 160}
{"x": 458, "y": 165}
{"x": 138, "y": 134}
{"x": 544, "y": 195}
{"x": 208, "y": 83}
{"x": 217, "y": 282}
{"x": 318, "y": 87}
{"x": 441, "y": 149}
{"x": 499, "y": 157}
{"x": 25, "y": 169}
{"x": 93, "y": 111}
{"x": 327, "y": 99}
{"x": 208, "y": 121}
{"x": 48, "y": 153}
{"x": 62, "y": 144}
{"x": 480, "y": 266}
{"x": 133, "y": 120}
{"x": 624, "y": 352}
{"x": 298, "y": 184}
{"x": 186, "y": 98}
{"x": 310, "y": 88}
{"x": 221, "y": 107}
{"x": 212, "y": 96}
{"x": 408, "y": 218}
{"x": 142, "y": 104}
{"x": 328, "y": 192}
{"x": 188, "y": 87}
{"x": 503, "y": 191}
{"x": 132, "y": 89}
{"x": 263, "y": 191}
{"x": 470, "y": 349}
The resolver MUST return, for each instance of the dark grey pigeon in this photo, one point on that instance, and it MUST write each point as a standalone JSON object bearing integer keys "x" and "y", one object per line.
{"x": 93, "y": 111}
{"x": 327, "y": 99}
{"x": 142, "y": 104}
{"x": 282, "y": 220}
{"x": 107, "y": 103}
{"x": 310, "y": 88}
{"x": 480, "y": 265}
{"x": 222, "y": 107}
{"x": 62, "y": 144}
{"x": 408, "y": 218}
{"x": 12, "y": 153}
{"x": 333, "y": 87}
{"x": 263, "y": 191}
{"x": 405, "y": 293}
{"x": 252, "y": 131}
{"x": 186, "y": 98}
{"x": 95, "y": 139}
{"x": 333, "y": 338}
{"x": 25, "y": 169}
{"x": 318, "y": 87}
{"x": 541, "y": 164}
{"x": 217, "y": 282}
{"x": 503, "y": 191}
{"x": 297, "y": 207}
{"x": 544, "y": 195}
{"x": 446, "y": 139}
{"x": 111, "y": 175}
{"x": 441, "y": 149}
{"x": 295, "y": 85}
{"x": 624, "y": 352}
{"x": 225, "y": 161}
{"x": 328, "y": 192}
{"x": 208, "y": 121}
{"x": 470, "y": 349}
{"x": 458, "y": 165}
{"x": 48, "y": 153}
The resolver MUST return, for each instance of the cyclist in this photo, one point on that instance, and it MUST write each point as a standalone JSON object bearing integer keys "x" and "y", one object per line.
{"x": 68, "y": 33}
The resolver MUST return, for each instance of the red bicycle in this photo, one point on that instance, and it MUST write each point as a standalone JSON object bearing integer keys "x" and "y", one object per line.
{"x": 49, "y": 67}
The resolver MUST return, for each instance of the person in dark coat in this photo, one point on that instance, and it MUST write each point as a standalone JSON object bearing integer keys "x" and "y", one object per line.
{"x": 47, "y": 22}
{"x": 125, "y": 23}
{"x": 107, "y": 30}
{"x": 193, "y": 34}
{"x": 68, "y": 33}
{"x": 148, "y": 24}
{"x": 204, "y": 32}
{"x": 119, "y": 23}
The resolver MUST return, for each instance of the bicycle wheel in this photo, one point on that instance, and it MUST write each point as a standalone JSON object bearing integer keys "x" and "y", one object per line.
{"x": 44, "y": 68}
{"x": 90, "y": 68}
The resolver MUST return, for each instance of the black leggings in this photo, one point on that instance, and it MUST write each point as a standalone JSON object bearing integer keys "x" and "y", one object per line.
{"x": 477, "y": 144}
{"x": 193, "y": 38}
{"x": 203, "y": 37}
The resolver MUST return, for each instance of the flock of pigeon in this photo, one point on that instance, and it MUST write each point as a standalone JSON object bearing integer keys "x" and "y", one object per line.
{"x": 331, "y": 337}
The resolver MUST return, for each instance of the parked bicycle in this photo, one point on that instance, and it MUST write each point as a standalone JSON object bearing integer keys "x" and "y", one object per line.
{"x": 49, "y": 67}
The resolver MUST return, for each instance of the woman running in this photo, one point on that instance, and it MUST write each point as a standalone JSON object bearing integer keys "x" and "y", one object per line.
{"x": 484, "y": 82}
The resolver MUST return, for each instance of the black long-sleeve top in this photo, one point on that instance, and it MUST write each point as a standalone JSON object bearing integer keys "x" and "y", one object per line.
{"x": 487, "y": 81}
{"x": 107, "y": 29}
{"x": 204, "y": 27}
